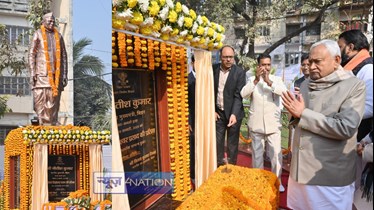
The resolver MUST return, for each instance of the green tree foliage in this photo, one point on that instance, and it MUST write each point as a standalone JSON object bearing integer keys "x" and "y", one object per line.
{"x": 92, "y": 95}
{"x": 37, "y": 8}
{"x": 250, "y": 14}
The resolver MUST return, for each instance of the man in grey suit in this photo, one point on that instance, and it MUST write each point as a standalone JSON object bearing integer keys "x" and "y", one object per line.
{"x": 327, "y": 113}
{"x": 229, "y": 79}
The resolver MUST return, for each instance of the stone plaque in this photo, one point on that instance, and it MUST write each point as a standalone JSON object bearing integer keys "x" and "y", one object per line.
{"x": 62, "y": 176}
{"x": 134, "y": 95}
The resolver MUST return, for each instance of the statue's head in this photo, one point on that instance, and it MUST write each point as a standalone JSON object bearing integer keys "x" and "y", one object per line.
{"x": 49, "y": 21}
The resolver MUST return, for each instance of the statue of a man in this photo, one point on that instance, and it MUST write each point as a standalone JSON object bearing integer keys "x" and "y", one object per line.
{"x": 48, "y": 70}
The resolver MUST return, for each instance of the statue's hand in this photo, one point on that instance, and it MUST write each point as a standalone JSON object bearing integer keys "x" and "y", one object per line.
{"x": 33, "y": 80}
{"x": 64, "y": 82}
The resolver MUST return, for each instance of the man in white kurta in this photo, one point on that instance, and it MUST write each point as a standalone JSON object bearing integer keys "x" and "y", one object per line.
{"x": 264, "y": 122}
{"x": 326, "y": 113}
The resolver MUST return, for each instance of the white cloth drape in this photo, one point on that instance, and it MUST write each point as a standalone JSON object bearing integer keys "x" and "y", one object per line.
{"x": 39, "y": 177}
{"x": 205, "y": 124}
{"x": 96, "y": 165}
{"x": 119, "y": 201}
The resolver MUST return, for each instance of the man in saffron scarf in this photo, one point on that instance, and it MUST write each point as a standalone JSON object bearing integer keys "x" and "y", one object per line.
{"x": 48, "y": 70}
{"x": 354, "y": 48}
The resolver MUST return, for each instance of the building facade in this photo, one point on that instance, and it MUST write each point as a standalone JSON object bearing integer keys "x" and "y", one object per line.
{"x": 345, "y": 15}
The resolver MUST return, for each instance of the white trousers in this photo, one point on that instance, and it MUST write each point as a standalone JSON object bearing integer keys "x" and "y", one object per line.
{"x": 274, "y": 151}
{"x": 314, "y": 197}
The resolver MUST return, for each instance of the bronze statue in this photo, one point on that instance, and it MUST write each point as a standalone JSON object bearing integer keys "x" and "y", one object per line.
{"x": 48, "y": 70}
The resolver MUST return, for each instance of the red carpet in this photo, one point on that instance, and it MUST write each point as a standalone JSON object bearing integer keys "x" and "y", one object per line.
{"x": 244, "y": 159}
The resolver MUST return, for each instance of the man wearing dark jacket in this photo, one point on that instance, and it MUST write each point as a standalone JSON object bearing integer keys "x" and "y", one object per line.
{"x": 229, "y": 79}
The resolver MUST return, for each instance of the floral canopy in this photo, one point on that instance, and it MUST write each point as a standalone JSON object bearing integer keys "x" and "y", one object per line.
{"x": 167, "y": 20}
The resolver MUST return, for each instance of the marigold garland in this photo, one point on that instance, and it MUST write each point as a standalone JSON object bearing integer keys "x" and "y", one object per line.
{"x": 53, "y": 81}
{"x": 137, "y": 48}
{"x": 122, "y": 49}
{"x": 20, "y": 143}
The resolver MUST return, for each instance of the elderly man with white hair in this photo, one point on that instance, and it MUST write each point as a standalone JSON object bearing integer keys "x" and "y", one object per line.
{"x": 327, "y": 113}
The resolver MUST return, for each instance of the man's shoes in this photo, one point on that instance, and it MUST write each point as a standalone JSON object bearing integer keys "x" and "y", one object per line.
{"x": 281, "y": 188}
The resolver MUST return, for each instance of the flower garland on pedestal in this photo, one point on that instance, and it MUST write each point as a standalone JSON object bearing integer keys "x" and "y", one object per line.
{"x": 72, "y": 140}
{"x": 54, "y": 81}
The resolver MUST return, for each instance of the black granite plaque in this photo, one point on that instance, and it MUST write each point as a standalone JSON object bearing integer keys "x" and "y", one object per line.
{"x": 134, "y": 95}
{"x": 62, "y": 176}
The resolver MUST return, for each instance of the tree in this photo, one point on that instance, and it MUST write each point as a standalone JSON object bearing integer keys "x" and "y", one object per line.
{"x": 252, "y": 13}
{"x": 92, "y": 95}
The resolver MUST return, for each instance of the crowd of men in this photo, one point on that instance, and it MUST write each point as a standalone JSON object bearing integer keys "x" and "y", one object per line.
{"x": 330, "y": 108}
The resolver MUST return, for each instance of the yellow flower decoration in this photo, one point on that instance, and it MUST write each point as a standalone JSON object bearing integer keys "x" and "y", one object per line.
{"x": 173, "y": 16}
{"x": 132, "y": 3}
{"x": 205, "y": 20}
{"x": 157, "y": 25}
{"x": 178, "y": 7}
{"x": 210, "y": 32}
{"x": 137, "y": 19}
{"x": 154, "y": 8}
{"x": 200, "y": 30}
{"x": 188, "y": 22}
{"x": 165, "y": 37}
{"x": 174, "y": 32}
{"x": 219, "y": 37}
{"x": 193, "y": 14}
{"x": 146, "y": 30}
{"x": 162, "y": 2}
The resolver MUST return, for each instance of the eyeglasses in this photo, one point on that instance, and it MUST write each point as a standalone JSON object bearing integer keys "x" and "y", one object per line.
{"x": 227, "y": 57}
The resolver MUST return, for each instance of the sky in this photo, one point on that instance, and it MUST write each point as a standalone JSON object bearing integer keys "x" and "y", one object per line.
{"x": 93, "y": 19}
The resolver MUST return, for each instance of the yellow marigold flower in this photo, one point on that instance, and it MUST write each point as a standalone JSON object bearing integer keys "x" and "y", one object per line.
{"x": 157, "y": 25}
{"x": 214, "y": 26}
{"x": 210, "y": 32}
{"x": 118, "y": 23}
{"x": 154, "y": 8}
{"x": 131, "y": 60}
{"x": 173, "y": 16}
{"x": 180, "y": 40}
{"x": 188, "y": 22}
{"x": 137, "y": 19}
{"x": 221, "y": 29}
{"x": 219, "y": 37}
{"x": 175, "y": 31}
{"x": 200, "y": 30}
{"x": 165, "y": 37}
{"x": 114, "y": 58}
{"x": 178, "y": 7}
{"x": 193, "y": 14}
{"x": 220, "y": 45}
{"x": 146, "y": 30}
{"x": 189, "y": 37}
{"x": 162, "y": 2}
{"x": 202, "y": 40}
{"x": 132, "y": 3}
{"x": 205, "y": 20}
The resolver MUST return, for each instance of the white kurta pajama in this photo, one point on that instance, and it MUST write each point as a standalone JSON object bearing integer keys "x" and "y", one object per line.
{"x": 264, "y": 121}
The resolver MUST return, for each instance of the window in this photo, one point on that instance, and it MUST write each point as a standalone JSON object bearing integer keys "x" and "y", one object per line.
{"x": 314, "y": 30}
{"x": 15, "y": 86}
{"x": 18, "y": 35}
{"x": 349, "y": 25}
{"x": 290, "y": 28}
{"x": 291, "y": 58}
{"x": 4, "y": 130}
{"x": 264, "y": 30}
